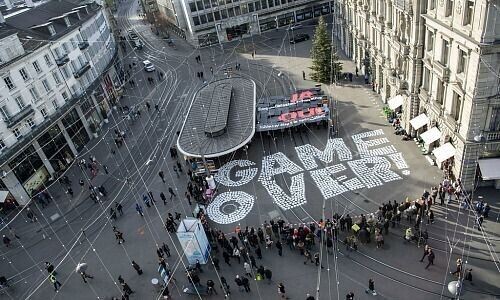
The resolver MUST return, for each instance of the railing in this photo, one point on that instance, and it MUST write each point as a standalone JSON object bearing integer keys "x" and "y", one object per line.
{"x": 493, "y": 136}
{"x": 82, "y": 70}
{"x": 14, "y": 120}
{"x": 61, "y": 61}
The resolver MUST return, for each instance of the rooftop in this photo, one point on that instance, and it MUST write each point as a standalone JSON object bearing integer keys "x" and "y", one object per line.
{"x": 234, "y": 119}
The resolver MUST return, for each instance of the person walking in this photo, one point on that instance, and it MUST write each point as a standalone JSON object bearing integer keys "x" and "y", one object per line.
{"x": 226, "y": 257}
{"x": 281, "y": 291}
{"x": 85, "y": 276}
{"x": 430, "y": 258}
{"x": 139, "y": 209}
{"x": 188, "y": 197}
{"x": 146, "y": 200}
{"x": 350, "y": 295}
{"x": 258, "y": 252}
{"x": 426, "y": 252}
{"x": 50, "y": 268}
{"x": 6, "y": 241}
{"x": 237, "y": 254}
{"x": 279, "y": 246}
{"x": 211, "y": 287}
{"x": 119, "y": 237}
{"x": 215, "y": 262}
{"x": 268, "y": 274}
{"x": 248, "y": 269}
{"x": 371, "y": 288}
{"x": 119, "y": 208}
{"x": 137, "y": 268}
{"x": 69, "y": 192}
{"x": 224, "y": 286}
{"x": 246, "y": 284}
{"x": 238, "y": 281}
{"x": 458, "y": 270}
{"x": 162, "y": 176}
{"x": 163, "y": 198}
{"x": 166, "y": 249}
{"x": 172, "y": 194}
{"x": 303, "y": 75}
{"x": 55, "y": 282}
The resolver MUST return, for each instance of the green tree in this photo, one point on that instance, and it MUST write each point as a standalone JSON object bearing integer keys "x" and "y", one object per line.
{"x": 324, "y": 59}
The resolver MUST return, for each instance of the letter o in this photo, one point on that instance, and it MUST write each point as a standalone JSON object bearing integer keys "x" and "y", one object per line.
{"x": 239, "y": 203}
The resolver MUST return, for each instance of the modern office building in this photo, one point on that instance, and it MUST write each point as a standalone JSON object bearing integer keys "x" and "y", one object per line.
{"x": 207, "y": 22}
{"x": 438, "y": 61}
{"x": 58, "y": 78}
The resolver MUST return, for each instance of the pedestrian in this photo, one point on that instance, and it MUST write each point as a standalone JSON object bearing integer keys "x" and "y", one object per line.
{"x": 281, "y": 291}
{"x": 248, "y": 269}
{"x": 146, "y": 200}
{"x": 252, "y": 261}
{"x": 246, "y": 284}
{"x": 82, "y": 183}
{"x": 198, "y": 74}
{"x": 211, "y": 287}
{"x": 215, "y": 262}
{"x": 85, "y": 276}
{"x": 162, "y": 176}
{"x": 350, "y": 295}
{"x": 357, "y": 70}
{"x": 139, "y": 210}
{"x": 201, "y": 74}
{"x": 157, "y": 107}
{"x": 148, "y": 106}
{"x": 303, "y": 75}
{"x": 430, "y": 258}
{"x": 371, "y": 287}
{"x": 316, "y": 260}
{"x": 137, "y": 268}
{"x": 468, "y": 275}
{"x": 309, "y": 297}
{"x": 112, "y": 214}
{"x": 119, "y": 237}
{"x": 50, "y": 268}
{"x": 31, "y": 215}
{"x": 226, "y": 257}
{"x": 105, "y": 169}
{"x": 198, "y": 266}
{"x": 172, "y": 194}
{"x": 269, "y": 275}
{"x": 69, "y": 192}
{"x": 238, "y": 282}
{"x": 163, "y": 198}
{"x": 119, "y": 208}
{"x": 126, "y": 289}
{"x": 258, "y": 252}
{"x": 150, "y": 194}
{"x": 279, "y": 246}
{"x": 54, "y": 281}
{"x": 225, "y": 286}
{"x": 159, "y": 252}
{"x": 458, "y": 271}
{"x": 237, "y": 254}
{"x": 166, "y": 249}
{"x": 212, "y": 70}
{"x": 426, "y": 252}
{"x": 6, "y": 241}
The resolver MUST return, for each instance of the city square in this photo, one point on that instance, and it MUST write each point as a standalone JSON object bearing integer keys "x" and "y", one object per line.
{"x": 193, "y": 135}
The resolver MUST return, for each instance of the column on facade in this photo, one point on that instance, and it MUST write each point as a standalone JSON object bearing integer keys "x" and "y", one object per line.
{"x": 43, "y": 157}
{"x": 85, "y": 123}
{"x": 388, "y": 9}
{"x": 68, "y": 138}
{"x": 14, "y": 186}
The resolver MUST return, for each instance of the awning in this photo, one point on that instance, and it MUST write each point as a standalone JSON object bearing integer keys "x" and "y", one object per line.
{"x": 419, "y": 121}
{"x": 490, "y": 168}
{"x": 444, "y": 152}
{"x": 395, "y": 102}
{"x": 3, "y": 196}
{"x": 431, "y": 135}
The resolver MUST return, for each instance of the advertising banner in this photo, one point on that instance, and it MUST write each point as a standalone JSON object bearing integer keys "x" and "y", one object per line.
{"x": 193, "y": 240}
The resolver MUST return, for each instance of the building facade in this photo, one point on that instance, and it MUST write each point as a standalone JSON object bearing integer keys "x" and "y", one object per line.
{"x": 443, "y": 58}
{"x": 208, "y": 22}
{"x": 58, "y": 69}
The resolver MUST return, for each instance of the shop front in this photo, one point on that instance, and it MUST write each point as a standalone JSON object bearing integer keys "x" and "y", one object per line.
{"x": 56, "y": 148}
{"x": 29, "y": 170}
{"x": 208, "y": 39}
{"x": 237, "y": 31}
{"x": 286, "y": 19}
{"x": 304, "y": 14}
{"x": 267, "y": 24}
{"x": 76, "y": 130}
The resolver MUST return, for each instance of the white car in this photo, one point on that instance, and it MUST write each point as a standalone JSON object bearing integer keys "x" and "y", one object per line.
{"x": 295, "y": 26}
{"x": 148, "y": 66}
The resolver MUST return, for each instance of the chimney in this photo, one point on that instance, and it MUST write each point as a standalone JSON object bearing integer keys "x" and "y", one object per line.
{"x": 29, "y": 3}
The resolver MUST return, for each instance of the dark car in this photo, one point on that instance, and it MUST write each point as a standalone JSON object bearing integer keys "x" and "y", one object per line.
{"x": 299, "y": 37}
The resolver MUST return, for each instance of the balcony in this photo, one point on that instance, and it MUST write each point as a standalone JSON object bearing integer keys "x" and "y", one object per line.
{"x": 23, "y": 114}
{"x": 83, "y": 45}
{"x": 82, "y": 70}
{"x": 441, "y": 70}
{"x": 492, "y": 136}
{"x": 61, "y": 61}
{"x": 404, "y": 5}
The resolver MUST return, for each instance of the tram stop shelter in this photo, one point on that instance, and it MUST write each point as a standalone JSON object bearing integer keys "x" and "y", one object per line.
{"x": 220, "y": 120}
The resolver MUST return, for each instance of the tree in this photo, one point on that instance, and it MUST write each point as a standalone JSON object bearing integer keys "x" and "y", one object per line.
{"x": 324, "y": 60}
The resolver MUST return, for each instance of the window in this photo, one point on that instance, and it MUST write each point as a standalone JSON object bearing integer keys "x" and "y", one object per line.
{"x": 257, "y": 6}
{"x": 65, "y": 72}
{"x": 237, "y": 10}
{"x": 46, "y": 85}
{"x": 432, "y": 4}
{"x": 199, "y": 4}
{"x": 48, "y": 61}
{"x": 462, "y": 61}
{"x": 230, "y": 12}
{"x": 217, "y": 15}
{"x": 9, "y": 83}
{"x": 64, "y": 95}
{"x": 54, "y": 104}
{"x": 203, "y": 19}
{"x": 24, "y": 74}
{"x": 192, "y": 6}
{"x": 30, "y": 122}
{"x": 20, "y": 102}
{"x": 17, "y": 133}
{"x": 37, "y": 67}
{"x": 271, "y": 3}
{"x": 426, "y": 79}
{"x": 210, "y": 17}
{"x": 449, "y": 8}
{"x": 2, "y": 144}
{"x": 440, "y": 92}
{"x": 223, "y": 14}
{"x": 469, "y": 12}
{"x": 4, "y": 112}
{"x": 43, "y": 111}
{"x": 65, "y": 48}
{"x": 495, "y": 119}
{"x": 34, "y": 94}
{"x": 52, "y": 31}
{"x": 73, "y": 43}
{"x": 445, "y": 48}
{"x": 57, "y": 79}
{"x": 250, "y": 7}
{"x": 206, "y": 4}
{"x": 456, "y": 106}
{"x": 264, "y": 4}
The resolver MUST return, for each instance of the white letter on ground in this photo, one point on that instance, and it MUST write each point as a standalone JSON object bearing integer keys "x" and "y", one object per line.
{"x": 297, "y": 195}
{"x": 307, "y": 153}
{"x": 230, "y": 207}
{"x": 244, "y": 176}
{"x": 376, "y": 174}
{"x": 284, "y": 165}
{"x": 363, "y": 146}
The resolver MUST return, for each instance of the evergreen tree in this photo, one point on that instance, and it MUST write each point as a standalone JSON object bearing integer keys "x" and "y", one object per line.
{"x": 323, "y": 57}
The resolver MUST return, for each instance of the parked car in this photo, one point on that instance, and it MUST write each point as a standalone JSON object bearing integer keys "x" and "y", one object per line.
{"x": 299, "y": 37}
{"x": 137, "y": 44}
{"x": 148, "y": 66}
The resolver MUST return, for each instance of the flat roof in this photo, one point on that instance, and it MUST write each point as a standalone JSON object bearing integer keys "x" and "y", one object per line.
{"x": 193, "y": 141}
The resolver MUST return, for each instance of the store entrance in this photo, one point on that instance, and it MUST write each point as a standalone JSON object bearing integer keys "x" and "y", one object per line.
{"x": 237, "y": 31}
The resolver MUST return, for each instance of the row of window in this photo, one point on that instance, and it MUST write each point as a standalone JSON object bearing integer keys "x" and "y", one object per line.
{"x": 449, "y": 10}
{"x": 262, "y": 4}
{"x": 25, "y": 73}
{"x": 445, "y": 52}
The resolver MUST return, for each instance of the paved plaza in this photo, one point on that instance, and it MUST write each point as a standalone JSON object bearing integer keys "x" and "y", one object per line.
{"x": 74, "y": 229}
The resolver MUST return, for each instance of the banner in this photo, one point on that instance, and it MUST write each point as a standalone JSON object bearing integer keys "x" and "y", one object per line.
{"x": 193, "y": 240}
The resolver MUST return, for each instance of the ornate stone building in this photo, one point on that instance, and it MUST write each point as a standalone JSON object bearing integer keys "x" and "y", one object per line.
{"x": 442, "y": 57}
